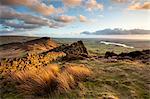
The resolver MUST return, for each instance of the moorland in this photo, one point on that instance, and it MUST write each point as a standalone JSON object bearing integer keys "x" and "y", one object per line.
{"x": 63, "y": 68}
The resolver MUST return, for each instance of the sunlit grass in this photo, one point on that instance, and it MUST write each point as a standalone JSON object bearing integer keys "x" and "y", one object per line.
{"x": 47, "y": 80}
{"x": 79, "y": 72}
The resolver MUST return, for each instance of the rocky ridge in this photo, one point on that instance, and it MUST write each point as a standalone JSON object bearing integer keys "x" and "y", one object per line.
{"x": 143, "y": 56}
{"x": 73, "y": 51}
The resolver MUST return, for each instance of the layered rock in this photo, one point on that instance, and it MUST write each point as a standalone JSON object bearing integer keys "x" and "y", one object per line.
{"x": 74, "y": 51}
{"x": 144, "y": 55}
{"x": 29, "y": 61}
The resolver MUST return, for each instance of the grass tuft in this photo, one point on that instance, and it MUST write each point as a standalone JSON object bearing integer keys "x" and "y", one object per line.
{"x": 48, "y": 80}
{"x": 66, "y": 82}
{"x": 35, "y": 81}
{"x": 79, "y": 72}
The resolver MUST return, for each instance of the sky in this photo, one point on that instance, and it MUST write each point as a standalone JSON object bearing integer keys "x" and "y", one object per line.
{"x": 68, "y": 18}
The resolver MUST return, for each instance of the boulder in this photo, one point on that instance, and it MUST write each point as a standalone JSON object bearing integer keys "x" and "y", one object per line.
{"x": 110, "y": 54}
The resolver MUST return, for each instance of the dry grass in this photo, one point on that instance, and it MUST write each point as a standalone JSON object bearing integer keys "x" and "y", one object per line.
{"x": 80, "y": 72}
{"x": 53, "y": 67}
{"x": 48, "y": 80}
{"x": 65, "y": 82}
{"x": 36, "y": 81}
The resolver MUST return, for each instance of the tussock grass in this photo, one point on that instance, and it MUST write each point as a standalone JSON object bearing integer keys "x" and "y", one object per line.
{"x": 79, "y": 72}
{"x": 53, "y": 67}
{"x": 66, "y": 82}
{"x": 36, "y": 81}
{"x": 48, "y": 80}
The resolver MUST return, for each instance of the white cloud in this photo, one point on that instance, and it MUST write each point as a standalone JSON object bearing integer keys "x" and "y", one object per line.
{"x": 93, "y": 4}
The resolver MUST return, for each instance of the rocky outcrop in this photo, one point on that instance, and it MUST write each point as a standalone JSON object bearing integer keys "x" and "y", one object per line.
{"x": 29, "y": 61}
{"x": 144, "y": 55}
{"x": 74, "y": 51}
{"x": 110, "y": 54}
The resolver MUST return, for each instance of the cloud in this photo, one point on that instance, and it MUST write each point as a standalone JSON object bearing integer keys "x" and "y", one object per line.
{"x": 72, "y": 2}
{"x": 16, "y": 20}
{"x": 126, "y": 1}
{"x": 35, "y": 5}
{"x": 82, "y": 18}
{"x": 93, "y": 4}
{"x": 89, "y": 4}
{"x": 65, "y": 19}
{"x": 139, "y": 6}
{"x": 18, "y": 24}
{"x": 120, "y": 1}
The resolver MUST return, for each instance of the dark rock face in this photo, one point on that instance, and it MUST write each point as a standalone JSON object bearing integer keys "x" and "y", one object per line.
{"x": 74, "y": 51}
{"x": 144, "y": 55}
{"x": 110, "y": 54}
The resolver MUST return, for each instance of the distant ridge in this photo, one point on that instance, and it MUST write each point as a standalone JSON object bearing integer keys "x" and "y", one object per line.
{"x": 117, "y": 31}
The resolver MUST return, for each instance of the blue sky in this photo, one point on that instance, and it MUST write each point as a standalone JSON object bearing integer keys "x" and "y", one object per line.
{"x": 71, "y": 17}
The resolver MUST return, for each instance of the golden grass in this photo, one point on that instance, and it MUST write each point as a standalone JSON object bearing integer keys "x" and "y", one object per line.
{"x": 36, "y": 81}
{"x": 65, "y": 82}
{"x": 53, "y": 67}
{"x": 48, "y": 80}
{"x": 79, "y": 72}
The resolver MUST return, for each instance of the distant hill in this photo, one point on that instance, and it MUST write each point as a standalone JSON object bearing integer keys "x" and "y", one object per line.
{"x": 16, "y": 49}
{"x": 13, "y": 38}
{"x": 118, "y": 32}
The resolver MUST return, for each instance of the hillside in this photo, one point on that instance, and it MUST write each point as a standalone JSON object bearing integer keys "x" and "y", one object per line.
{"x": 13, "y": 39}
{"x": 81, "y": 69}
{"x": 17, "y": 49}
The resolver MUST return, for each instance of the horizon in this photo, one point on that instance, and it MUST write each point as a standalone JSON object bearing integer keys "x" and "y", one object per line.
{"x": 69, "y": 18}
{"x": 106, "y": 37}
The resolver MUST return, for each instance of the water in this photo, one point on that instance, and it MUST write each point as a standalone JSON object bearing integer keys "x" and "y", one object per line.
{"x": 117, "y": 44}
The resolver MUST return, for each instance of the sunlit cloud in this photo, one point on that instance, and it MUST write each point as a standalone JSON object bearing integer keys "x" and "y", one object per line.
{"x": 72, "y": 15}
{"x": 65, "y": 18}
{"x": 93, "y": 4}
{"x": 139, "y": 6}
{"x": 72, "y": 2}
{"x": 82, "y": 18}
{"x": 10, "y": 18}
{"x": 35, "y": 5}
